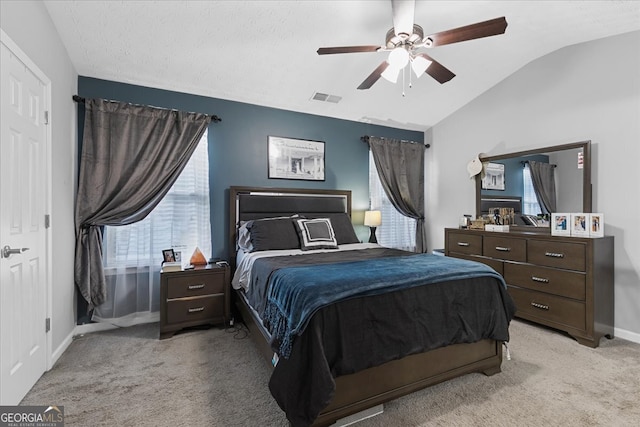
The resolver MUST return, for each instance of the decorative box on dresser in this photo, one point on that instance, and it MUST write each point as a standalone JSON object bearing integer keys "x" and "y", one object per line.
{"x": 195, "y": 297}
{"x": 561, "y": 282}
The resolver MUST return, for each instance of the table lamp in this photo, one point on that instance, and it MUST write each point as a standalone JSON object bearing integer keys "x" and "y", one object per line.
{"x": 372, "y": 219}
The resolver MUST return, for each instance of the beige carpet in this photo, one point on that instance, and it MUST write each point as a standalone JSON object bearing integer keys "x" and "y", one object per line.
{"x": 127, "y": 377}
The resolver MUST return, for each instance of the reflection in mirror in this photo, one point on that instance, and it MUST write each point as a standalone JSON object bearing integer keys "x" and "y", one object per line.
{"x": 569, "y": 178}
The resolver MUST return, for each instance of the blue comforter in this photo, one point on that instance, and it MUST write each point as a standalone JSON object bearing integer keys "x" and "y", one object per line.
{"x": 296, "y": 293}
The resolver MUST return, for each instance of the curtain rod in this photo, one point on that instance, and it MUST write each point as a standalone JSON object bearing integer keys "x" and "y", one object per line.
{"x": 80, "y": 99}
{"x": 365, "y": 139}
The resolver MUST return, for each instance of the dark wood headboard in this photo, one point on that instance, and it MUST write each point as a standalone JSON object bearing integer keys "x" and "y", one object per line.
{"x": 247, "y": 203}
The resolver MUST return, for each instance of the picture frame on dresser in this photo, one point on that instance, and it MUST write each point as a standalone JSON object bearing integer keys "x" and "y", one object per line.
{"x": 560, "y": 224}
{"x": 596, "y": 225}
{"x": 580, "y": 224}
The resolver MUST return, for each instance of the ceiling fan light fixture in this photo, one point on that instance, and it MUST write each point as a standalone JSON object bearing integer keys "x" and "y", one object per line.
{"x": 419, "y": 65}
{"x": 398, "y": 58}
{"x": 391, "y": 73}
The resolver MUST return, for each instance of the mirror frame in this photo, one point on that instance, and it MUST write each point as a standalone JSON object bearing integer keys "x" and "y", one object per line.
{"x": 586, "y": 176}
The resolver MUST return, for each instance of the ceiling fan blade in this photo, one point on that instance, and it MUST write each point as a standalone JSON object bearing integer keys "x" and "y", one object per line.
{"x": 403, "y": 16}
{"x": 436, "y": 70}
{"x": 492, "y": 27}
{"x": 347, "y": 49}
{"x": 373, "y": 77}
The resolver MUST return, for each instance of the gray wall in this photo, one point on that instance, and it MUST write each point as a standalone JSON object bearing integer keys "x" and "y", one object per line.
{"x": 589, "y": 91}
{"x": 28, "y": 24}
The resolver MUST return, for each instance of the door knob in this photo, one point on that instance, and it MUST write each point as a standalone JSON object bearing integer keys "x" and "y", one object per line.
{"x": 7, "y": 251}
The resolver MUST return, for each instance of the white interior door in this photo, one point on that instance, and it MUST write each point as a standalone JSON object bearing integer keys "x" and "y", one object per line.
{"x": 23, "y": 252}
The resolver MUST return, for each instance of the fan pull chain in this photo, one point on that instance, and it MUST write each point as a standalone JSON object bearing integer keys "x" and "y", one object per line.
{"x": 410, "y": 79}
{"x": 403, "y": 72}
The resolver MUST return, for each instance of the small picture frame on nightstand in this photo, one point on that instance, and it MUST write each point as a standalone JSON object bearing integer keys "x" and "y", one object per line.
{"x": 168, "y": 255}
{"x": 580, "y": 224}
{"x": 560, "y": 224}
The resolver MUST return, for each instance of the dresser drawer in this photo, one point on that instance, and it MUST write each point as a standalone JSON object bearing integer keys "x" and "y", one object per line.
{"x": 547, "y": 308}
{"x": 558, "y": 282}
{"x": 505, "y": 248}
{"x": 570, "y": 256}
{"x": 465, "y": 243}
{"x": 194, "y": 285}
{"x": 195, "y": 309}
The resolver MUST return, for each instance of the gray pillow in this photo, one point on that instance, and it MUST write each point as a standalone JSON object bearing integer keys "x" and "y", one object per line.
{"x": 342, "y": 227}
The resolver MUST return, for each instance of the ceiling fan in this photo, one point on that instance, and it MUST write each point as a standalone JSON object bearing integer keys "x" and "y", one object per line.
{"x": 405, "y": 39}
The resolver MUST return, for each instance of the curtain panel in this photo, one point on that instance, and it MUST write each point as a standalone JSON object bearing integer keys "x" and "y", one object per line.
{"x": 131, "y": 156}
{"x": 544, "y": 184}
{"x": 400, "y": 166}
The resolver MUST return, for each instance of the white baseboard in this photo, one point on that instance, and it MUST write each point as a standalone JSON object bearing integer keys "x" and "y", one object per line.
{"x": 55, "y": 355}
{"x": 627, "y": 335}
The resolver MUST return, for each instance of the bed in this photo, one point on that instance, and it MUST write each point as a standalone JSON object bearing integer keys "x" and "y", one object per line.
{"x": 374, "y": 325}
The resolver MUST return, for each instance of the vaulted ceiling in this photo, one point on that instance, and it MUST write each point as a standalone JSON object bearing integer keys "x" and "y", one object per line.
{"x": 264, "y": 52}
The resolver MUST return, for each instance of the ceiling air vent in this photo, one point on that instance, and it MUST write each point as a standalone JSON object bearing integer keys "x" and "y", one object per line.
{"x": 326, "y": 97}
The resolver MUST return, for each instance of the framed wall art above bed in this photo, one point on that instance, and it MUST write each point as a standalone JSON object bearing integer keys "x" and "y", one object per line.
{"x": 291, "y": 158}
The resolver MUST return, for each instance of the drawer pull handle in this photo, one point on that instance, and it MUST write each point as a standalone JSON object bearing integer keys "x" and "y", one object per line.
{"x": 554, "y": 255}
{"x": 463, "y": 244}
{"x": 540, "y": 306}
{"x": 539, "y": 279}
{"x": 198, "y": 286}
{"x": 502, "y": 249}
{"x": 196, "y": 309}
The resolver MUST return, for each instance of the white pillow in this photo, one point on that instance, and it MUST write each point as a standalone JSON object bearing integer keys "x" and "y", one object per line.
{"x": 316, "y": 234}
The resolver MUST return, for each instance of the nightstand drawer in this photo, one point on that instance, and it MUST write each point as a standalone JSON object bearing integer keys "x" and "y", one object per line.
{"x": 571, "y": 256}
{"x": 194, "y": 285}
{"x": 195, "y": 309}
{"x": 465, "y": 243}
{"x": 548, "y": 309}
{"x": 559, "y": 282}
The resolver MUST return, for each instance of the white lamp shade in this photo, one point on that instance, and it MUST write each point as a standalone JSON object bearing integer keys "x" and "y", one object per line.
{"x": 372, "y": 218}
{"x": 398, "y": 58}
{"x": 391, "y": 73}
{"x": 419, "y": 65}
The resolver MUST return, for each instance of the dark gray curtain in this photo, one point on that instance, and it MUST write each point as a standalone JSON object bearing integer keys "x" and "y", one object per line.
{"x": 544, "y": 184}
{"x": 131, "y": 155}
{"x": 400, "y": 165}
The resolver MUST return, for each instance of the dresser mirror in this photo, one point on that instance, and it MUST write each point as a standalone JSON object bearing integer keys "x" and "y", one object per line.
{"x": 572, "y": 174}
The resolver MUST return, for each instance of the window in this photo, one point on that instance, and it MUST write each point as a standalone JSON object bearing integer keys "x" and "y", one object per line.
{"x": 397, "y": 230}
{"x": 530, "y": 204}
{"x": 180, "y": 221}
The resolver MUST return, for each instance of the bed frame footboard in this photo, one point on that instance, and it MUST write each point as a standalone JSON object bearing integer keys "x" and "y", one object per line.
{"x": 374, "y": 386}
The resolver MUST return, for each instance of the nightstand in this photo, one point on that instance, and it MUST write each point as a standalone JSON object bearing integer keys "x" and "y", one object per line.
{"x": 200, "y": 296}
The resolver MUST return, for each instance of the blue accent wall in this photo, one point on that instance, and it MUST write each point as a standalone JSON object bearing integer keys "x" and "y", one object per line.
{"x": 238, "y": 146}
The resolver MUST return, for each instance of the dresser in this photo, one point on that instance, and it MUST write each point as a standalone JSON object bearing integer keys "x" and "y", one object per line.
{"x": 194, "y": 297}
{"x": 561, "y": 282}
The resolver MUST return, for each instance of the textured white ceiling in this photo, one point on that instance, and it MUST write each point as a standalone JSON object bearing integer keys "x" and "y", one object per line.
{"x": 264, "y": 52}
